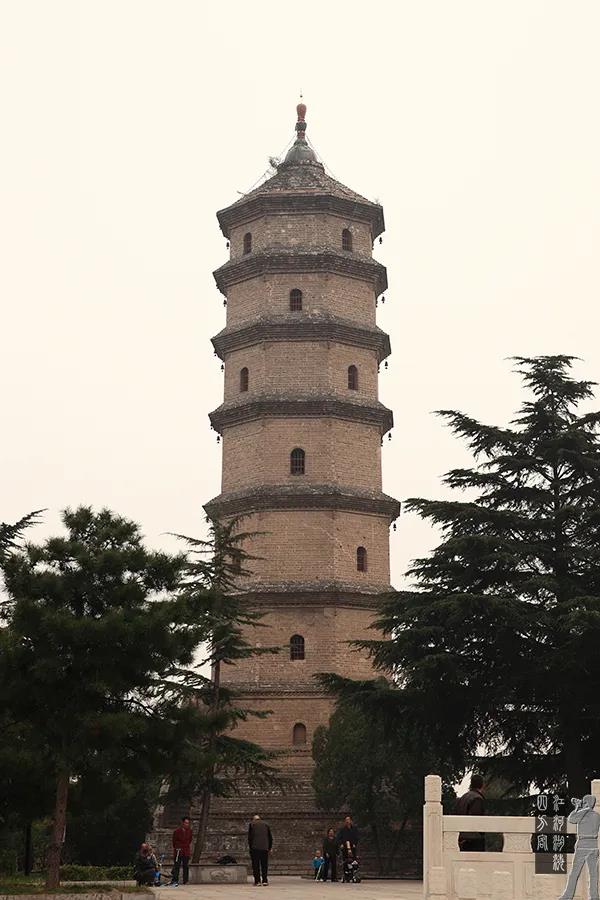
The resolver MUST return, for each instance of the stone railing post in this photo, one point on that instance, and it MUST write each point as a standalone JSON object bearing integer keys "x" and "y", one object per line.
{"x": 434, "y": 874}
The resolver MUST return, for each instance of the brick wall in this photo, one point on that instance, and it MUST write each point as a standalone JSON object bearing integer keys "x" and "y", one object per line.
{"x": 301, "y": 366}
{"x": 318, "y": 545}
{"x": 322, "y": 292}
{"x": 275, "y": 732}
{"x": 337, "y": 452}
{"x": 326, "y": 631}
{"x": 309, "y": 230}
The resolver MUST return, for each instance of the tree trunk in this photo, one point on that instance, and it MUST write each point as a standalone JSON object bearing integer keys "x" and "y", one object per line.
{"x": 206, "y": 793}
{"x": 202, "y": 826}
{"x": 28, "y": 855}
{"x": 58, "y": 831}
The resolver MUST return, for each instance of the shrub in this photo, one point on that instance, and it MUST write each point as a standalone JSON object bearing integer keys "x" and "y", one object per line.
{"x": 119, "y": 873}
{"x": 73, "y": 872}
{"x": 8, "y": 862}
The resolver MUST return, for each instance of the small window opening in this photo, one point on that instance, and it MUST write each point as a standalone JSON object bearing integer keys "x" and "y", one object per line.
{"x": 296, "y": 646}
{"x": 297, "y": 459}
{"x": 299, "y": 734}
{"x": 361, "y": 559}
{"x": 296, "y": 300}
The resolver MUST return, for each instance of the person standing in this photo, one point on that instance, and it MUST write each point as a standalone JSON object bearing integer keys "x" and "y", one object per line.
{"x": 330, "y": 851}
{"x": 182, "y": 843}
{"x": 472, "y": 804}
{"x": 260, "y": 842}
{"x": 347, "y": 838}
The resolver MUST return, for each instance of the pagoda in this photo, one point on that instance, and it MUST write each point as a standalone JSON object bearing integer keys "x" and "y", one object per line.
{"x": 301, "y": 429}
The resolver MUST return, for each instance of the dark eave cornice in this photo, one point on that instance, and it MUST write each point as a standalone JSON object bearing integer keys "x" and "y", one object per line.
{"x": 254, "y": 207}
{"x": 303, "y": 495}
{"x": 259, "y": 406}
{"x": 313, "y": 593}
{"x": 302, "y": 327}
{"x": 298, "y": 261}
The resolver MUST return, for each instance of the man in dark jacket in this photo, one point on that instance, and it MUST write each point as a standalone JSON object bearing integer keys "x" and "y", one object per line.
{"x": 472, "y": 804}
{"x": 182, "y": 843}
{"x": 347, "y": 838}
{"x": 260, "y": 842}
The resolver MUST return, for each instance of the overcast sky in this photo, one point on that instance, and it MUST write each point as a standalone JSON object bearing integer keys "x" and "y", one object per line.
{"x": 126, "y": 125}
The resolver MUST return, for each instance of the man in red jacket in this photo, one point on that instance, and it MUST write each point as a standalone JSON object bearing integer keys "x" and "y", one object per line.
{"x": 182, "y": 843}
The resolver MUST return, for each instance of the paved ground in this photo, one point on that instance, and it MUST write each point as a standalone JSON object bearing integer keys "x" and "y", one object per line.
{"x": 282, "y": 888}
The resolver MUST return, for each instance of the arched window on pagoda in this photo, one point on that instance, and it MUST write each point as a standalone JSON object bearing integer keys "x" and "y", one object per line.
{"x": 244, "y": 379}
{"x": 297, "y": 461}
{"x": 247, "y": 243}
{"x": 299, "y": 735}
{"x": 361, "y": 559}
{"x": 352, "y": 378}
{"x": 296, "y": 300}
{"x": 346, "y": 239}
{"x": 296, "y": 647}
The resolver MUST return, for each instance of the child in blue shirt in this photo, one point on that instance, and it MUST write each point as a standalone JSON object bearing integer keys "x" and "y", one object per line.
{"x": 318, "y": 863}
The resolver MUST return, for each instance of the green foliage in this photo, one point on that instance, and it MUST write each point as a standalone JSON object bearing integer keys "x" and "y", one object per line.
{"x": 362, "y": 768}
{"x": 73, "y": 872}
{"x": 355, "y": 771}
{"x": 96, "y": 653}
{"x": 99, "y": 679}
{"x": 496, "y": 645}
{"x": 11, "y": 534}
{"x": 109, "y": 816}
{"x": 8, "y": 862}
{"x": 92, "y": 635}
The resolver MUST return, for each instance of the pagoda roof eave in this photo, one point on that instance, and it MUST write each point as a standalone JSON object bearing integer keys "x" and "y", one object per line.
{"x": 247, "y": 209}
{"x": 299, "y": 260}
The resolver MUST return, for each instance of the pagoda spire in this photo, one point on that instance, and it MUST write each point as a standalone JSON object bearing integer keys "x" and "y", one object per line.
{"x": 301, "y": 123}
{"x": 301, "y": 152}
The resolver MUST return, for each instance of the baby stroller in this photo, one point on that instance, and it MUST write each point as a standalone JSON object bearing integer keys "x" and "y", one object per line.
{"x": 351, "y": 868}
{"x": 161, "y": 878}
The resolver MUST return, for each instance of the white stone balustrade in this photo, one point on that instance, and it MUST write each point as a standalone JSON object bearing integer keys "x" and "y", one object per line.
{"x": 449, "y": 874}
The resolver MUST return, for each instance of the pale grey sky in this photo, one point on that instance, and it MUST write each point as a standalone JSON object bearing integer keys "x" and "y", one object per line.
{"x": 127, "y": 123}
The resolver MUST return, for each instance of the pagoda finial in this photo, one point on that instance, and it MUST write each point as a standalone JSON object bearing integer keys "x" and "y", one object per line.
{"x": 301, "y": 123}
{"x": 301, "y": 152}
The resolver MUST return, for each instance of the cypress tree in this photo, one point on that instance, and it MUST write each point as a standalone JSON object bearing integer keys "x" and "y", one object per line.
{"x": 495, "y": 648}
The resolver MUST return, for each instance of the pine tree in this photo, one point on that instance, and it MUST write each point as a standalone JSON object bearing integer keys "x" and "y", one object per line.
{"x": 496, "y": 647}
{"x": 212, "y": 573}
{"x": 23, "y": 775}
{"x": 10, "y": 535}
{"x": 95, "y": 641}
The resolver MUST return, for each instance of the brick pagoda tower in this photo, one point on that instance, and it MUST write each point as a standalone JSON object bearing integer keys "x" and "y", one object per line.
{"x": 302, "y": 430}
